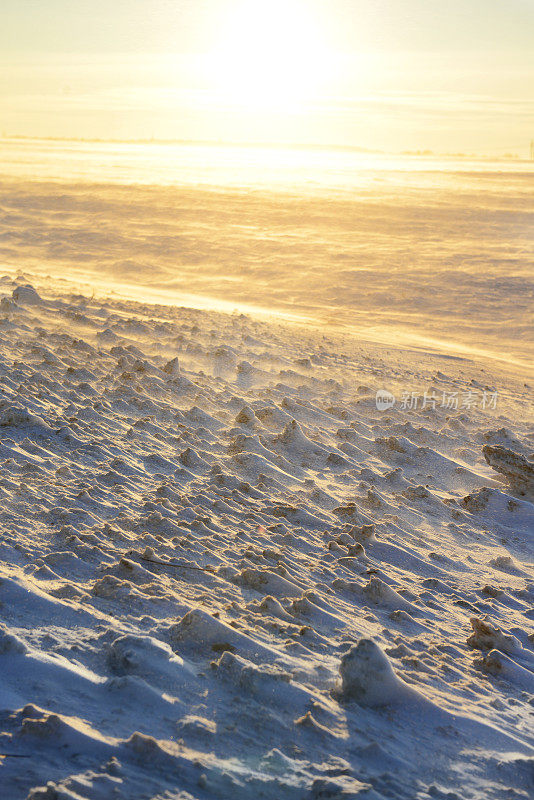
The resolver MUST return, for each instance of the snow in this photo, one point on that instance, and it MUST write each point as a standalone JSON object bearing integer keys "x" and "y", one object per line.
{"x": 368, "y": 677}
{"x": 224, "y": 572}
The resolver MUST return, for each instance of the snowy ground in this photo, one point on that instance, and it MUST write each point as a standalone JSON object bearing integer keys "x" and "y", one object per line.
{"x": 226, "y": 574}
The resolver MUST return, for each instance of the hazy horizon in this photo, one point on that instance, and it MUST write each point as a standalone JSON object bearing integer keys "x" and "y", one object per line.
{"x": 275, "y": 145}
{"x": 390, "y": 244}
{"x": 389, "y": 76}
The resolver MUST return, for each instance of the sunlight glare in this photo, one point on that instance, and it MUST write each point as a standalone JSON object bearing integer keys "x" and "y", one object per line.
{"x": 270, "y": 56}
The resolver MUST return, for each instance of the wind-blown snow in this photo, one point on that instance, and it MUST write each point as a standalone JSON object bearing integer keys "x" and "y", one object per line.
{"x": 405, "y": 252}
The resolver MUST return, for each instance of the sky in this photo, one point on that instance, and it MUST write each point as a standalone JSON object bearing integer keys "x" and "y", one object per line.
{"x": 382, "y": 74}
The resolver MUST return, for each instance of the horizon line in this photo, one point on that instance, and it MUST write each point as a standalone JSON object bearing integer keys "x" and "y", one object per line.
{"x": 419, "y": 152}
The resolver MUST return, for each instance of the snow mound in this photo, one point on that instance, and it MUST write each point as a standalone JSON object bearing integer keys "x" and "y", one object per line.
{"x": 379, "y": 593}
{"x": 368, "y": 677}
{"x": 268, "y": 583}
{"x": 10, "y": 643}
{"x": 516, "y": 469}
{"x": 26, "y": 295}
{"x": 142, "y": 656}
{"x": 172, "y": 367}
{"x": 252, "y": 677}
{"x": 502, "y": 666}
{"x": 486, "y": 636}
{"x": 203, "y": 633}
{"x": 16, "y": 417}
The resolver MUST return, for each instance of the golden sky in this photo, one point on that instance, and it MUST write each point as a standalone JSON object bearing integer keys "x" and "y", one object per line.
{"x": 385, "y": 74}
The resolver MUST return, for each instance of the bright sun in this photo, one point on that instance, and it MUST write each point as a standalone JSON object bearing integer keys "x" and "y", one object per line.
{"x": 269, "y": 55}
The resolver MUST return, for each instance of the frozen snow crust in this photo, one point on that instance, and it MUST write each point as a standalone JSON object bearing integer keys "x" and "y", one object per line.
{"x": 225, "y": 574}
